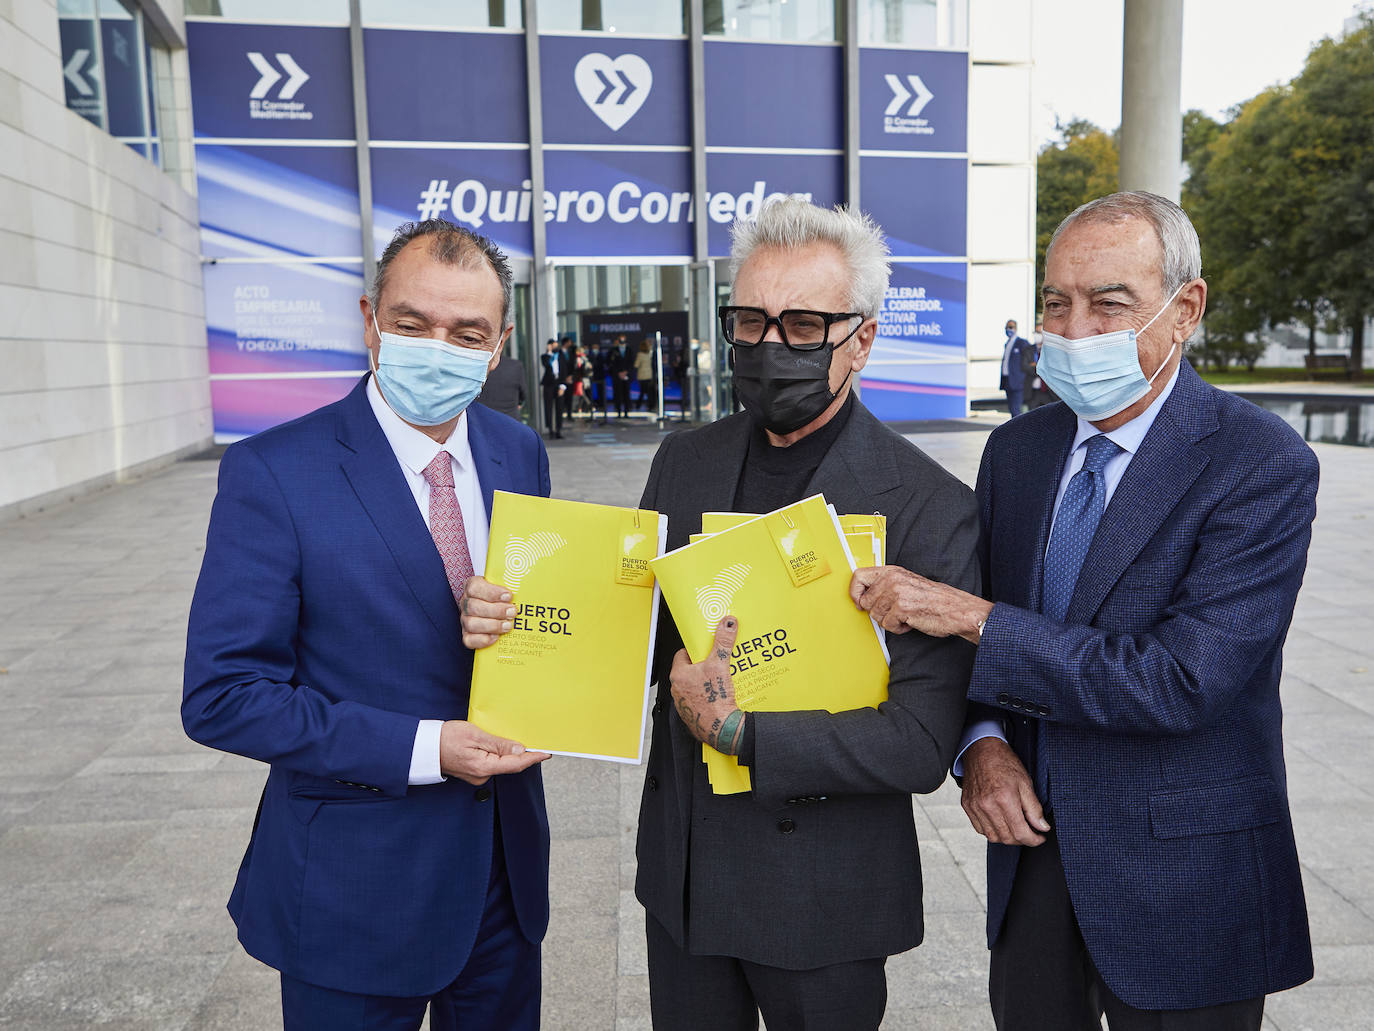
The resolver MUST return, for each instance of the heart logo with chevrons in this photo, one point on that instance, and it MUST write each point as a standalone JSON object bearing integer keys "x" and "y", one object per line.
{"x": 614, "y": 88}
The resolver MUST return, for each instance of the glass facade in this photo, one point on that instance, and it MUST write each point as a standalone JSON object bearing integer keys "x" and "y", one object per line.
{"x": 931, "y": 24}
{"x": 107, "y": 70}
{"x": 795, "y": 21}
{"x": 631, "y": 17}
{"x": 316, "y": 12}
{"x": 447, "y": 14}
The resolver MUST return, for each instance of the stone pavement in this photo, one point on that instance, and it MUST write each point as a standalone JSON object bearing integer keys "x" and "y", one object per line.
{"x": 119, "y": 837}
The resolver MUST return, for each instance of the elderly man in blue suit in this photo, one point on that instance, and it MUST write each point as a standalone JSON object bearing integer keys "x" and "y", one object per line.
{"x": 1143, "y": 545}
{"x": 399, "y": 859}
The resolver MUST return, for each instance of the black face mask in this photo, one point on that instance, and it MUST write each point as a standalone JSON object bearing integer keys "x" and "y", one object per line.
{"x": 781, "y": 389}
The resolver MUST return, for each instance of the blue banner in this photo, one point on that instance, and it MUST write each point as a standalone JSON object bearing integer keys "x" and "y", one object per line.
{"x": 613, "y": 90}
{"x": 446, "y": 86}
{"x": 283, "y": 82}
{"x": 756, "y": 91}
{"x": 486, "y": 190}
{"x": 740, "y": 183}
{"x": 921, "y": 203}
{"x": 913, "y": 100}
{"x": 917, "y": 368}
{"x": 275, "y": 202}
{"x": 619, "y": 203}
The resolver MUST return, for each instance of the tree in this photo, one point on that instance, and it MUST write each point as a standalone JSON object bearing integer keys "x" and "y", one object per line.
{"x": 1080, "y": 166}
{"x": 1334, "y": 96}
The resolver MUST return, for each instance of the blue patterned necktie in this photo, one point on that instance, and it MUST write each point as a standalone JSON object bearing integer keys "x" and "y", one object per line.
{"x": 1080, "y": 510}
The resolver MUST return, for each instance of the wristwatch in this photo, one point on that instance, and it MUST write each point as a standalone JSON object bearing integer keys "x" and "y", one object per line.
{"x": 980, "y": 624}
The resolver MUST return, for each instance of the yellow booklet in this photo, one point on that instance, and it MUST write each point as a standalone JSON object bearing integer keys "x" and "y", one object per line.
{"x": 802, "y": 643}
{"x": 572, "y": 677}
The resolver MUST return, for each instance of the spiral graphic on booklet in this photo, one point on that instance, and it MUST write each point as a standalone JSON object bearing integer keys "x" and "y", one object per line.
{"x": 523, "y": 552}
{"x": 714, "y": 600}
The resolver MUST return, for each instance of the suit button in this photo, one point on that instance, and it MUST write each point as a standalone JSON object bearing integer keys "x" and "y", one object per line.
{"x": 1043, "y": 710}
{"x": 786, "y": 826}
{"x": 657, "y": 708}
{"x": 1004, "y": 699}
{"x": 653, "y": 783}
{"x": 482, "y": 794}
{"x": 1016, "y": 703}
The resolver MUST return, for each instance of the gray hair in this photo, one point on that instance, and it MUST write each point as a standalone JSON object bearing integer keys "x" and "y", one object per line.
{"x": 1177, "y": 237}
{"x": 449, "y": 244}
{"x": 793, "y": 222}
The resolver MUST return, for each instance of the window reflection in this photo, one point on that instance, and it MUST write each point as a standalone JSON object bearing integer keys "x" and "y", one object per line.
{"x": 798, "y": 21}
{"x": 929, "y": 24}
{"x": 271, "y": 10}
{"x": 81, "y": 78}
{"x": 456, "y": 14}
{"x": 632, "y": 17}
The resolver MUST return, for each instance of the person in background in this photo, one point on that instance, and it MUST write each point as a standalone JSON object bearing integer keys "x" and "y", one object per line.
{"x": 1017, "y": 355}
{"x": 644, "y": 376}
{"x": 551, "y": 384}
{"x": 621, "y": 367}
{"x": 504, "y": 390}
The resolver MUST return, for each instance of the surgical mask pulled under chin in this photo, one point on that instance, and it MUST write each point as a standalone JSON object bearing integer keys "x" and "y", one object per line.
{"x": 1098, "y": 376}
{"x": 425, "y": 381}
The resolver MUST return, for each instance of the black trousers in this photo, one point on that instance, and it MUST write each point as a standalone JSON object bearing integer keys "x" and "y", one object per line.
{"x": 690, "y": 993}
{"x": 1041, "y": 977}
{"x": 553, "y": 409}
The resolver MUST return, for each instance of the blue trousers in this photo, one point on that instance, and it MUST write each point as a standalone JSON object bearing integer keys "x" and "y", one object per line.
{"x": 1014, "y": 398}
{"x": 498, "y": 987}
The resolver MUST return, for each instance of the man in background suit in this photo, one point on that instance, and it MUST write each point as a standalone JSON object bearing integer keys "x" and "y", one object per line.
{"x": 399, "y": 859}
{"x": 1143, "y": 545}
{"x": 504, "y": 390}
{"x": 551, "y": 376}
{"x": 621, "y": 365}
{"x": 790, "y": 898}
{"x": 1018, "y": 357}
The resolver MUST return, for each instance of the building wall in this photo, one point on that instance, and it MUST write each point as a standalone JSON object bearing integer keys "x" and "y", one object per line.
{"x": 1001, "y": 188}
{"x": 104, "y": 370}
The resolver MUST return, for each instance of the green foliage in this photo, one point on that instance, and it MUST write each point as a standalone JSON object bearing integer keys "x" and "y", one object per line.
{"x": 1283, "y": 199}
{"x": 1077, "y": 168}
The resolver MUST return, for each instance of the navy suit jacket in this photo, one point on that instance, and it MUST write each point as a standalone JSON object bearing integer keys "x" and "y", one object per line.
{"x": 1022, "y": 357}
{"x": 323, "y": 628}
{"x": 1160, "y": 690}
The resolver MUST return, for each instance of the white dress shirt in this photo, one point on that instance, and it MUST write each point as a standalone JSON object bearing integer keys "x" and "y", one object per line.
{"x": 414, "y": 451}
{"x": 1128, "y": 438}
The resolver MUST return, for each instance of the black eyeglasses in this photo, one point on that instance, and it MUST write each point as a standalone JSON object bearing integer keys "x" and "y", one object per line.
{"x": 801, "y": 330}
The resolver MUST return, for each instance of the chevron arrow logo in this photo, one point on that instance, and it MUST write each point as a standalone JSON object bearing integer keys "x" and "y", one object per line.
{"x": 269, "y": 76}
{"x": 918, "y": 94}
{"x": 73, "y": 72}
{"x": 613, "y": 88}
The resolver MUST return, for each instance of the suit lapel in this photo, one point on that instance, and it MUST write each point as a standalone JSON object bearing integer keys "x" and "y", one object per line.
{"x": 1038, "y": 461}
{"x": 1158, "y": 476}
{"x": 837, "y": 477}
{"x": 488, "y": 457}
{"x": 721, "y": 462}
{"x": 376, "y": 478}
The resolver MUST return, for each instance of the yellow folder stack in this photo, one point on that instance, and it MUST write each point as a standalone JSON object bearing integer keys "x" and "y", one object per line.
{"x": 572, "y": 677}
{"x": 802, "y": 643}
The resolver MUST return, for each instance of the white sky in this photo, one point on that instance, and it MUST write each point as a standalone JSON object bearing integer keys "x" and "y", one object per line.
{"x": 1232, "y": 49}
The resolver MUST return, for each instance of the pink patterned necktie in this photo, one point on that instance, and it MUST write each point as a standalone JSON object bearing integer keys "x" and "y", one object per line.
{"x": 446, "y": 522}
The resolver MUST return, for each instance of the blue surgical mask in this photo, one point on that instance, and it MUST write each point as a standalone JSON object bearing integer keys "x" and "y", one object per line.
{"x": 425, "y": 381}
{"x": 1098, "y": 376}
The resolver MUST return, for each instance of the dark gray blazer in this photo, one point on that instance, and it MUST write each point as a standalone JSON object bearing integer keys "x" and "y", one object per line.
{"x": 504, "y": 390}
{"x": 819, "y": 864}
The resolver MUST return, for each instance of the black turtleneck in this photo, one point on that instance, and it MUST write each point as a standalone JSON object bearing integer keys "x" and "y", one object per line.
{"x": 774, "y": 477}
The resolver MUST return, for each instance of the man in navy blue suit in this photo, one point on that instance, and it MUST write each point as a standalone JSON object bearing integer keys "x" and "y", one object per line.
{"x": 1143, "y": 545}
{"x": 399, "y": 859}
{"x": 1017, "y": 358}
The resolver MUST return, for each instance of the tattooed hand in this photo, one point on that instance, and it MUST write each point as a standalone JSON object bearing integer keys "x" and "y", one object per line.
{"x": 705, "y": 695}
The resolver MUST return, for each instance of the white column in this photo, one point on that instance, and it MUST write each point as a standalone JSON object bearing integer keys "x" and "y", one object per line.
{"x": 1151, "y": 115}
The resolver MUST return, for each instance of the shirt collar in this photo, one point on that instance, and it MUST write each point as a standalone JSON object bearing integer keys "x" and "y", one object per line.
{"x": 1130, "y": 436}
{"x": 414, "y": 449}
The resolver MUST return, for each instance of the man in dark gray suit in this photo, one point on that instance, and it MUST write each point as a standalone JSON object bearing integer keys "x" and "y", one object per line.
{"x": 789, "y": 899}
{"x": 505, "y": 392}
